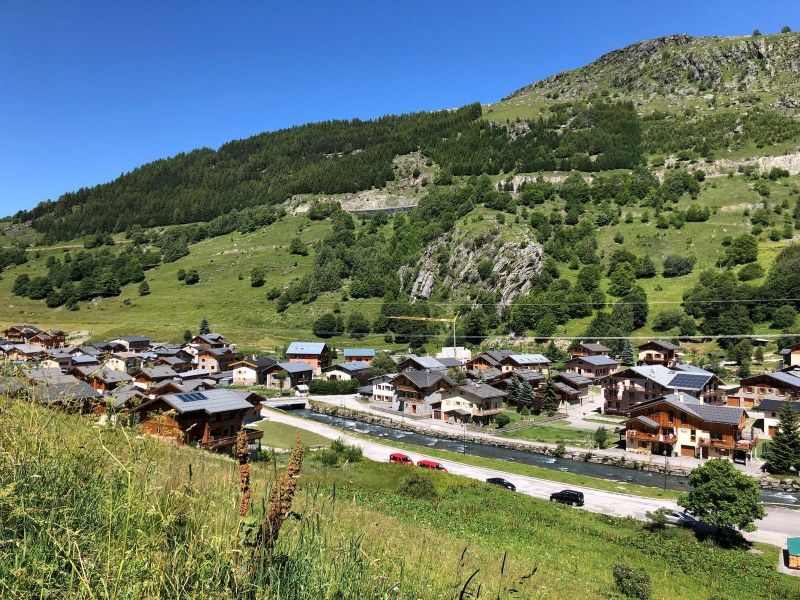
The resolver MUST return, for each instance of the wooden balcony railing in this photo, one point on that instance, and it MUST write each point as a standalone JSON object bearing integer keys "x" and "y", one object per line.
{"x": 650, "y": 437}
{"x": 724, "y": 444}
{"x": 487, "y": 412}
{"x": 252, "y": 435}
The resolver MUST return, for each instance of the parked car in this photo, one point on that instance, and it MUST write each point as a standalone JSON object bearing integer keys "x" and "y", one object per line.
{"x": 680, "y": 519}
{"x": 570, "y": 497}
{"x": 431, "y": 464}
{"x": 504, "y": 482}
{"x": 402, "y": 459}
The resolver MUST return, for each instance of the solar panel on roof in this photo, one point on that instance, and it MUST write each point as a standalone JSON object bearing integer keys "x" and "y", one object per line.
{"x": 192, "y": 397}
{"x": 688, "y": 381}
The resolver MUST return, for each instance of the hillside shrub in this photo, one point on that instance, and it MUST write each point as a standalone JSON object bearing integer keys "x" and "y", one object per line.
{"x": 419, "y": 487}
{"x": 632, "y": 582}
{"x": 750, "y": 272}
{"x": 329, "y": 388}
{"x": 676, "y": 265}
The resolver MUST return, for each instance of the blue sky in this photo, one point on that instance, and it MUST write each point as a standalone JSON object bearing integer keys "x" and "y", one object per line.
{"x": 89, "y": 90}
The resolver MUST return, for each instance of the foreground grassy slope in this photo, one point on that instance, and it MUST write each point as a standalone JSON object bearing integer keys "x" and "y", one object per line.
{"x": 104, "y": 513}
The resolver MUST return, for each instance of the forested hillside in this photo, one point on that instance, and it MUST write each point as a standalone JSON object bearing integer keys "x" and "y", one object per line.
{"x": 634, "y": 198}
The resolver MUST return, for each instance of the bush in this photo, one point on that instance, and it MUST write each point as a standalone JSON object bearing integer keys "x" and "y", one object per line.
{"x": 326, "y": 457}
{"x": 192, "y": 277}
{"x": 667, "y": 319}
{"x": 560, "y": 450}
{"x": 750, "y": 272}
{"x": 676, "y": 265}
{"x": 328, "y": 388}
{"x": 784, "y": 317}
{"x": 502, "y": 420}
{"x": 632, "y": 583}
{"x": 418, "y": 486}
{"x": 352, "y": 454}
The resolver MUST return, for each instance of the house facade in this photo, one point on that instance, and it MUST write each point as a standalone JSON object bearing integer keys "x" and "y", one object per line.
{"x": 628, "y": 387}
{"x": 365, "y": 355}
{"x": 417, "y": 390}
{"x": 476, "y": 402}
{"x": 347, "y": 371}
{"x": 681, "y": 425}
{"x": 288, "y": 375}
{"x": 767, "y": 415}
{"x": 216, "y": 360}
{"x": 592, "y": 366}
{"x": 251, "y": 371}
{"x": 753, "y": 390}
{"x": 316, "y": 354}
{"x": 658, "y": 352}
{"x": 589, "y": 349}
{"x": 383, "y": 388}
{"x": 530, "y": 362}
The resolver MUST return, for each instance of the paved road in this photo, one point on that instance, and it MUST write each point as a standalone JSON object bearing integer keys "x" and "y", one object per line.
{"x": 774, "y": 529}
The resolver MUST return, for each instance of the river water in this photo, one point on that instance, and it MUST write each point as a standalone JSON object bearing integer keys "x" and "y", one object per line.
{"x": 608, "y": 472}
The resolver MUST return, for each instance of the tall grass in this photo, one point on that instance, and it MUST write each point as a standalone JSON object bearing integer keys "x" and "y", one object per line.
{"x": 99, "y": 512}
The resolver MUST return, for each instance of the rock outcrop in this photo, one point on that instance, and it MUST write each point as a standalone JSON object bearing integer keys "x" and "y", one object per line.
{"x": 452, "y": 262}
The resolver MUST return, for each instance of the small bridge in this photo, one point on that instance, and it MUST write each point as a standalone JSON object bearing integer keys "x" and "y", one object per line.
{"x": 285, "y": 402}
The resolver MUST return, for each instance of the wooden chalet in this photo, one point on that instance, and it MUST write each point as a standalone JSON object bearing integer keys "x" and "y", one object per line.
{"x": 210, "y": 419}
{"x": 753, "y": 390}
{"x": 658, "y": 352}
{"x": 681, "y": 425}
{"x": 216, "y": 360}
{"x": 30, "y": 334}
{"x": 251, "y": 371}
{"x": 417, "y": 390}
{"x": 592, "y": 366}
{"x": 589, "y": 349}
{"x": 360, "y": 371}
{"x": 366, "y": 355}
{"x": 476, "y": 402}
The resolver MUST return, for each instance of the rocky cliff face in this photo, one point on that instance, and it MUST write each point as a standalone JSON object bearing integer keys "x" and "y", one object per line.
{"x": 684, "y": 65}
{"x": 452, "y": 263}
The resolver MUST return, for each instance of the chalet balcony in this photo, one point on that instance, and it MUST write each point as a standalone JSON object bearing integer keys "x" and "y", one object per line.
{"x": 721, "y": 444}
{"x": 487, "y": 412}
{"x": 213, "y": 444}
{"x": 641, "y": 436}
{"x": 746, "y": 445}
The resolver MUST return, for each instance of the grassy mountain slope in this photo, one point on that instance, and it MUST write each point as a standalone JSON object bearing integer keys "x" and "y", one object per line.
{"x": 101, "y": 513}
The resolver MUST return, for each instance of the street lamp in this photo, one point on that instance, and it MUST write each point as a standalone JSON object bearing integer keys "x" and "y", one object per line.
{"x": 464, "y": 425}
{"x": 665, "y": 468}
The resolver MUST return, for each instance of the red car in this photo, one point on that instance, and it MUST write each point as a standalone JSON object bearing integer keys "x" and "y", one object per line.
{"x": 432, "y": 464}
{"x": 401, "y": 459}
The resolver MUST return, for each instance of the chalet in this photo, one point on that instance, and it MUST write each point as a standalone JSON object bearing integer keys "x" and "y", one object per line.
{"x": 194, "y": 374}
{"x": 682, "y": 425}
{"x": 171, "y": 386}
{"x": 531, "y": 362}
{"x": 150, "y": 376}
{"x": 417, "y": 390}
{"x": 755, "y": 389}
{"x": 366, "y": 355}
{"x": 767, "y": 415}
{"x": 216, "y": 360}
{"x": 488, "y": 359}
{"x": 492, "y": 376}
{"x": 589, "y": 349}
{"x": 206, "y": 341}
{"x": 51, "y": 387}
{"x": 125, "y": 397}
{"x": 29, "y": 334}
{"x": 60, "y": 358}
{"x": 477, "y": 402}
{"x": 288, "y": 375}
{"x": 450, "y": 363}
{"x": 177, "y": 363}
{"x": 103, "y": 379}
{"x": 412, "y": 362}
{"x": 251, "y": 371}
{"x": 383, "y": 388}
{"x": 127, "y": 361}
{"x": 628, "y": 387}
{"x": 573, "y": 388}
{"x": 593, "y": 366}
{"x": 24, "y": 352}
{"x": 110, "y": 347}
{"x": 347, "y": 371}
{"x": 210, "y": 419}
{"x": 316, "y": 354}
{"x": 658, "y": 352}
{"x": 132, "y": 343}
{"x": 85, "y": 360}
{"x": 790, "y": 355}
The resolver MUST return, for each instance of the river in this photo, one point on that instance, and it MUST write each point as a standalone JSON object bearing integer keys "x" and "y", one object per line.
{"x": 608, "y": 472}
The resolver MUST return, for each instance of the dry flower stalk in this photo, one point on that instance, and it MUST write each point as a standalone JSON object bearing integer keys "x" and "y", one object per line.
{"x": 243, "y": 457}
{"x": 282, "y": 494}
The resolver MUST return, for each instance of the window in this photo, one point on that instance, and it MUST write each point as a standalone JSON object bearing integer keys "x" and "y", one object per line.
{"x": 693, "y": 435}
{"x": 670, "y": 417}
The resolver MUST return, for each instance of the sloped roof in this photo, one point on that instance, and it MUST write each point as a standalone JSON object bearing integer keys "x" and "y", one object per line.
{"x": 575, "y": 379}
{"x": 775, "y": 405}
{"x": 356, "y": 365}
{"x": 592, "y": 346}
{"x": 305, "y": 348}
{"x": 450, "y": 363}
{"x": 299, "y": 366}
{"x": 710, "y": 413}
{"x": 426, "y": 379}
{"x": 529, "y": 359}
{"x": 425, "y": 362}
{"x": 208, "y": 401}
{"x": 647, "y": 421}
{"x": 481, "y": 390}
{"x": 111, "y": 375}
{"x": 661, "y": 344}
{"x": 598, "y": 360}
{"x": 159, "y": 372}
{"x": 365, "y": 352}
{"x": 256, "y": 363}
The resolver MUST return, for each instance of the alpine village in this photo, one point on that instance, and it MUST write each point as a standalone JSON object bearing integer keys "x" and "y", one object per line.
{"x": 546, "y": 347}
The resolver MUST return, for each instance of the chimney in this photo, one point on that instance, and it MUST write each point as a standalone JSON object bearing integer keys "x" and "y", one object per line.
{"x": 680, "y": 396}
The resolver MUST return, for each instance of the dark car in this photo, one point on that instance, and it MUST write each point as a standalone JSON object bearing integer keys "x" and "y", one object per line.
{"x": 504, "y": 482}
{"x": 570, "y": 497}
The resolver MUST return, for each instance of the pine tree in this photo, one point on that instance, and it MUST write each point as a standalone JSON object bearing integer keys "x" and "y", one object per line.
{"x": 784, "y": 449}
{"x": 526, "y": 393}
{"x": 513, "y": 392}
{"x": 187, "y": 336}
{"x": 204, "y": 327}
{"x": 144, "y": 288}
{"x": 550, "y": 402}
{"x": 628, "y": 354}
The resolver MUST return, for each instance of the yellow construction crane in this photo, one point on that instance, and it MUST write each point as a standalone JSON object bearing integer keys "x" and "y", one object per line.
{"x": 436, "y": 319}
